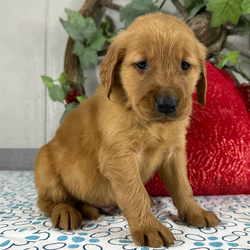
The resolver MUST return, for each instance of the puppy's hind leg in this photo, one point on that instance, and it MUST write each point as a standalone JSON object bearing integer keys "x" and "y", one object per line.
{"x": 64, "y": 215}
{"x": 89, "y": 212}
{"x": 53, "y": 199}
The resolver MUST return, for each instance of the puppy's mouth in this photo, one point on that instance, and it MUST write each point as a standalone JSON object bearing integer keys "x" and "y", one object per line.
{"x": 167, "y": 117}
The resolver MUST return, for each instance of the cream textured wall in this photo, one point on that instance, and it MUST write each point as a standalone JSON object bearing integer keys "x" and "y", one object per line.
{"x": 32, "y": 43}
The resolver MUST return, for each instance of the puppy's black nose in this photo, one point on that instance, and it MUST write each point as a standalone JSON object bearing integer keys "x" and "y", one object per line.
{"x": 166, "y": 105}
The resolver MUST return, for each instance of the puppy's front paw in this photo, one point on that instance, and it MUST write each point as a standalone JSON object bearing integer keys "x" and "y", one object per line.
{"x": 152, "y": 234}
{"x": 198, "y": 217}
{"x": 65, "y": 216}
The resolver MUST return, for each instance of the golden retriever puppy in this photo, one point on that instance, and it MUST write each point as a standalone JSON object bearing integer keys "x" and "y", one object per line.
{"x": 108, "y": 147}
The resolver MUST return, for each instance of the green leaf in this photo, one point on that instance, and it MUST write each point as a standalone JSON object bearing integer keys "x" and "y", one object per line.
{"x": 124, "y": 12}
{"x": 96, "y": 40}
{"x": 49, "y": 83}
{"x": 135, "y": 9}
{"x": 78, "y": 48}
{"x": 89, "y": 27}
{"x": 63, "y": 77}
{"x": 93, "y": 56}
{"x": 79, "y": 31}
{"x": 190, "y": 4}
{"x": 245, "y": 7}
{"x": 66, "y": 88}
{"x": 224, "y": 10}
{"x": 86, "y": 25}
{"x": 221, "y": 64}
{"x": 195, "y": 10}
{"x": 69, "y": 107}
{"x": 142, "y": 5}
{"x": 56, "y": 94}
{"x": 231, "y": 56}
{"x": 105, "y": 25}
{"x": 88, "y": 56}
{"x": 74, "y": 31}
{"x": 75, "y": 17}
{"x": 81, "y": 98}
{"x": 108, "y": 35}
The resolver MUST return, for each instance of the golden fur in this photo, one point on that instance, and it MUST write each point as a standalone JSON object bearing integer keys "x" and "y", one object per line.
{"x": 107, "y": 148}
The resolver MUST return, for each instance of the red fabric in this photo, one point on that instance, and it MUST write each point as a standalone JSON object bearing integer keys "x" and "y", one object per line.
{"x": 218, "y": 141}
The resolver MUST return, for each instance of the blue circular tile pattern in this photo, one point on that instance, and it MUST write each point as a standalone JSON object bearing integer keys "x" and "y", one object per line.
{"x": 23, "y": 226}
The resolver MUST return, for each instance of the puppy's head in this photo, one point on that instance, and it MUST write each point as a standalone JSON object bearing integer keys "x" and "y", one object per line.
{"x": 160, "y": 63}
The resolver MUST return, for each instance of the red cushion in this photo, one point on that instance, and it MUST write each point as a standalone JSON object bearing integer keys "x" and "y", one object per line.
{"x": 218, "y": 141}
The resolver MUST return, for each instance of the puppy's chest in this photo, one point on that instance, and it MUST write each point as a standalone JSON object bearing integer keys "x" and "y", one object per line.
{"x": 152, "y": 149}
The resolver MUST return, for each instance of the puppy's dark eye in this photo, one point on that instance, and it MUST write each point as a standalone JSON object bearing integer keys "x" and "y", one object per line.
{"x": 142, "y": 65}
{"x": 185, "y": 66}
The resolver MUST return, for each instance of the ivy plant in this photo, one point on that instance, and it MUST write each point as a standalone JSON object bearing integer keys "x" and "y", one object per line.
{"x": 231, "y": 56}
{"x": 57, "y": 92}
{"x": 224, "y": 11}
{"x": 195, "y": 6}
{"x": 137, "y": 8}
{"x": 88, "y": 38}
{"x": 235, "y": 65}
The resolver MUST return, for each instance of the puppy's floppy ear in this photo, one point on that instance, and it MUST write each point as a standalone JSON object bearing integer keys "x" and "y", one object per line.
{"x": 114, "y": 55}
{"x": 202, "y": 82}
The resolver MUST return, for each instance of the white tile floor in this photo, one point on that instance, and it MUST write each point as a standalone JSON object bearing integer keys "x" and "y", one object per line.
{"x": 22, "y": 226}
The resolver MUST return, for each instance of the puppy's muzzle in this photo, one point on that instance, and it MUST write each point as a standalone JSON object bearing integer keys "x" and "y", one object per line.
{"x": 166, "y": 104}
